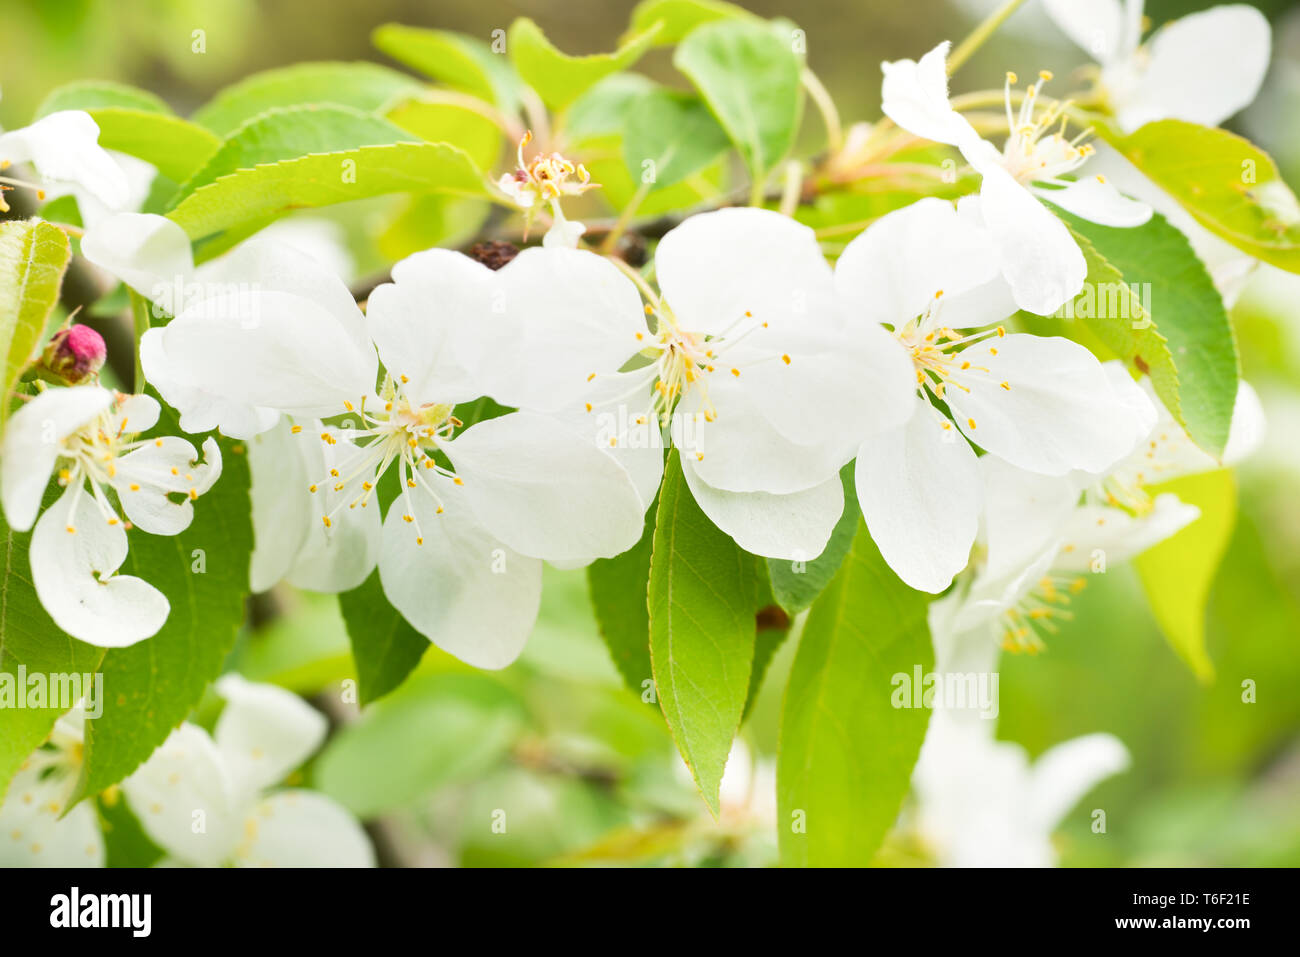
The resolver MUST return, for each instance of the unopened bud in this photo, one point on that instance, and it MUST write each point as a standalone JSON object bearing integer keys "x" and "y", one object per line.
{"x": 72, "y": 355}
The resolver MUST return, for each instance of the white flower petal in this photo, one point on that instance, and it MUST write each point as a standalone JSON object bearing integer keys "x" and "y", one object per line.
{"x": 1042, "y": 403}
{"x": 182, "y": 796}
{"x": 1203, "y": 68}
{"x": 920, "y": 491}
{"x": 546, "y": 490}
{"x": 166, "y": 466}
{"x": 1024, "y": 513}
{"x": 32, "y": 833}
{"x": 270, "y": 349}
{"x": 893, "y": 271}
{"x": 200, "y": 411}
{"x": 561, "y": 315}
{"x": 75, "y": 580}
{"x": 1117, "y": 535}
{"x": 1039, "y": 257}
{"x": 1097, "y": 26}
{"x": 462, "y": 589}
{"x": 340, "y": 556}
{"x": 620, "y": 421}
{"x": 263, "y": 733}
{"x": 716, "y": 267}
{"x": 1063, "y": 774}
{"x": 1246, "y": 432}
{"x": 794, "y": 527}
{"x": 435, "y": 325}
{"x": 64, "y": 148}
{"x": 915, "y": 96}
{"x": 742, "y": 451}
{"x": 149, "y": 253}
{"x": 299, "y": 828}
{"x": 1097, "y": 201}
{"x": 835, "y": 388}
{"x": 282, "y": 506}
{"x": 263, "y": 265}
{"x": 33, "y": 442}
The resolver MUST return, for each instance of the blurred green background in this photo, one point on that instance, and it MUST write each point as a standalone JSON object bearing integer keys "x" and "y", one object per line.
{"x": 583, "y": 768}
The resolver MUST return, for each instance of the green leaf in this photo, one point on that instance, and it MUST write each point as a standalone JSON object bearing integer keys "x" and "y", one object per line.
{"x": 795, "y": 585}
{"x": 773, "y": 627}
{"x": 1232, "y": 187}
{"x": 703, "y": 589}
{"x": 1186, "y": 311}
{"x": 846, "y": 754}
{"x": 29, "y": 638}
{"x": 92, "y": 95}
{"x": 264, "y": 192}
{"x": 680, "y": 17}
{"x": 289, "y": 132}
{"x": 461, "y": 62}
{"x": 176, "y": 146}
{"x": 606, "y": 107}
{"x": 384, "y": 647}
{"x": 151, "y": 687}
{"x": 435, "y": 730}
{"x": 675, "y": 132}
{"x": 750, "y": 79}
{"x": 559, "y": 78}
{"x": 619, "y": 594}
{"x": 363, "y": 86}
{"x": 1177, "y": 573}
{"x": 433, "y": 219}
{"x": 437, "y": 122}
{"x": 33, "y": 258}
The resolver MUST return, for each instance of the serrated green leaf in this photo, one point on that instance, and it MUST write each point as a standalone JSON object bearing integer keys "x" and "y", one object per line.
{"x": 29, "y": 638}
{"x": 1188, "y": 313}
{"x": 176, "y": 146}
{"x": 461, "y": 62}
{"x": 618, "y": 588}
{"x": 33, "y": 258}
{"x": 751, "y": 81}
{"x": 703, "y": 588}
{"x": 150, "y": 687}
{"x": 846, "y": 754}
{"x": 559, "y": 78}
{"x": 289, "y": 132}
{"x": 362, "y": 86}
{"x": 1177, "y": 573}
{"x": 795, "y": 585}
{"x": 1232, "y": 187}
{"x": 673, "y": 132}
{"x": 438, "y": 122}
{"x": 435, "y": 730}
{"x": 680, "y": 17}
{"x": 385, "y": 648}
{"x": 100, "y": 94}
{"x": 267, "y": 191}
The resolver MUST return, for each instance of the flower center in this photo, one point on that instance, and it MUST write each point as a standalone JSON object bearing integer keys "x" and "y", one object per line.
{"x": 1034, "y": 152}
{"x": 1039, "y": 611}
{"x": 936, "y": 353}
{"x": 395, "y": 432}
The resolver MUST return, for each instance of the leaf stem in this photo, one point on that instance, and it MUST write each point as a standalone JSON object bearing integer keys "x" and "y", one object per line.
{"x": 826, "y": 106}
{"x": 981, "y": 33}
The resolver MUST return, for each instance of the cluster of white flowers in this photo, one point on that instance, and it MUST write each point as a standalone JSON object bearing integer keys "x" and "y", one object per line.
{"x": 206, "y": 800}
{"x": 767, "y": 368}
{"x": 1004, "y": 461}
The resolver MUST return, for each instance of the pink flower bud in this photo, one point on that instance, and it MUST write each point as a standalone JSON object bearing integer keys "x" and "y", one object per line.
{"x": 73, "y": 355}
